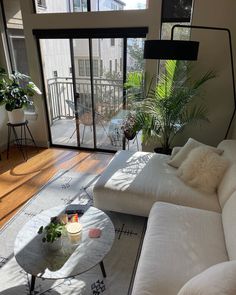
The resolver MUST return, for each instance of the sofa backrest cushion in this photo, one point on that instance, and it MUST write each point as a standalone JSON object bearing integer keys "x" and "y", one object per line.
{"x": 229, "y": 226}
{"x": 218, "y": 279}
{"x": 182, "y": 154}
{"x": 229, "y": 149}
{"x": 228, "y": 183}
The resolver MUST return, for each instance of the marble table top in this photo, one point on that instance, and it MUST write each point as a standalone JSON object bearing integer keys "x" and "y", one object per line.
{"x": 36, "y": 259}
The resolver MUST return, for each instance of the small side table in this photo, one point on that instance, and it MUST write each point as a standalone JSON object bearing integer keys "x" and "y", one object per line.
{"x": 20, "y": 140}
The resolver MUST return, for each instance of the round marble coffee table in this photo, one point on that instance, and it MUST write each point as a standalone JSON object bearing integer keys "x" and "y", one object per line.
{"x": 71, "y": 260}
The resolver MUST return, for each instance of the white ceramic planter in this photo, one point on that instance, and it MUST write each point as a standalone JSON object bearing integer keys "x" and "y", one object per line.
{"x": 16, "y": 116}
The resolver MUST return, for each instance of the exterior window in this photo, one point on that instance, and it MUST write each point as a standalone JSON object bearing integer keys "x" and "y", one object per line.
{"x": 87, "y": 68}
{"x": 110, "y": 66}
{"x": 55, "y": 74}
{"x": 77, "y": 5}
{"x": 121, "y": 65}
{"x": 112, "y": 42}
{"x": 95, "y": 68}
{"x": 84, "y": 68}
{"x": 116, "y": 65}
{"x": 41, "y": 3}
{"x": 101, "y": 67}
{"x": 81, "y": 68}
{"x": 113, "y": 6}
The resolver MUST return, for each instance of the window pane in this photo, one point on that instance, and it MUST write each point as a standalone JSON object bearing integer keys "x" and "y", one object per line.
{"x": 57, "y": 6}
{"x": 175, "y": 10}
{"x": 108, "y": 5}
{"x": 15, "y": 34}
{"x": 179, "y": 33}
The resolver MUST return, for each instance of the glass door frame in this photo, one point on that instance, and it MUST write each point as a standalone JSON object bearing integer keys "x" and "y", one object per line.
{"x": 90, "y": 34}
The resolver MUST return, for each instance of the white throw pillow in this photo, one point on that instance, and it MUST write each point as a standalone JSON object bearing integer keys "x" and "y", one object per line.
{"x": 175, "y": 150}
{"x": 182, "y": 154}
{"x": 203, "y": 169}
{"x": 216, "y": 280}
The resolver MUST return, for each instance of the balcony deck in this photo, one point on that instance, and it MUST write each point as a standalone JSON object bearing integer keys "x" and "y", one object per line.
{"x": 63, "y": 133}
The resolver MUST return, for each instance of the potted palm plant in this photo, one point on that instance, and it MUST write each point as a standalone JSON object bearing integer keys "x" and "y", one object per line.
{"x": 169, "y": 104}
{"x": 16, "y": 92}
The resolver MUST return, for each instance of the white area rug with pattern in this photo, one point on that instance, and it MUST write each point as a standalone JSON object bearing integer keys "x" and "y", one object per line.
{"x": 120, "y": 263}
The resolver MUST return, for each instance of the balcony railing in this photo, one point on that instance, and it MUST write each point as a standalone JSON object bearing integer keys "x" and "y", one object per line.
{"x": 108, "y": 96}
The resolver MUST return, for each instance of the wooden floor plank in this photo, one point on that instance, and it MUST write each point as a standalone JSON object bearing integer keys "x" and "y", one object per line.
{"x": 20, "y": 180}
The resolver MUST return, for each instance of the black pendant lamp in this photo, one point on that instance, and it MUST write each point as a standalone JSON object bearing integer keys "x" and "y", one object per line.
{"x": 187, "y": 50}
{"x": 171, "y": 49}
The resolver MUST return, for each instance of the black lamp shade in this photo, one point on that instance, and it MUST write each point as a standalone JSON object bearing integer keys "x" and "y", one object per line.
{"x": 171, "y": 49}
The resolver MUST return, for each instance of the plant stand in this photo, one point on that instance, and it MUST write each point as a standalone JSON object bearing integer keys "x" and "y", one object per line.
{"x": 20, "y": 140}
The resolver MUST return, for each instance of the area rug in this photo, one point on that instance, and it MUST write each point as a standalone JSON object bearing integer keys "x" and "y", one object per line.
{"x": 120, "y": 263}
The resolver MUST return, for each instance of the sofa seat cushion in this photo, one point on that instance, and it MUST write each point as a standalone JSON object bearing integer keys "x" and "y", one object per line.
{"x": 134, "y": 181}
{"x": 216, "y": 280}
{"x": 180, "y": 242}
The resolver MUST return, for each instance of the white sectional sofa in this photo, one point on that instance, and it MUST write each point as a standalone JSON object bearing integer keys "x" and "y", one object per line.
{"x": 190, "y": 243}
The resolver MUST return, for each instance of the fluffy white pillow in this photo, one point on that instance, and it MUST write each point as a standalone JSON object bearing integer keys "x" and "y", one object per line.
{"x": 182, "y": 154}
{"x": 203, "y": 169}
{"x": 216, "y": 280}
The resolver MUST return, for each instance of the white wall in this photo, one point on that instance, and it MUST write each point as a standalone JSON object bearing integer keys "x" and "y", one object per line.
{"x": 214, "y": 54}
{"x": 4, "y": 63}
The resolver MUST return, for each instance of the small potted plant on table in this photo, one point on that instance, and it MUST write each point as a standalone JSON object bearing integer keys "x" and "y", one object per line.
{"x": 52, "y": 233}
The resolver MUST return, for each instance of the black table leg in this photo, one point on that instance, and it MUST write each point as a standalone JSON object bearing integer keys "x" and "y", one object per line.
{"x": 103, "y": 269}
{"x": 32, "y": 284}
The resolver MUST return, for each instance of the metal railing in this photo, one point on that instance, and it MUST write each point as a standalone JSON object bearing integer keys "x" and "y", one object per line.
{"x": 108, "y": 96}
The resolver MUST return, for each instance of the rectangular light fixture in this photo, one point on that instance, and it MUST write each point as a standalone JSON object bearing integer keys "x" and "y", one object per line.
{"x": 171, "y": 49}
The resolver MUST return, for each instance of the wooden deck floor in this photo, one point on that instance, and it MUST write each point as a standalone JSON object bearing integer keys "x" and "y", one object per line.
{"x": 20, "y": 180}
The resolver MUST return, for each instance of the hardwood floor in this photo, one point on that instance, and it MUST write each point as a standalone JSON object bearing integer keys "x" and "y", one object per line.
{"x": 20, "y": 180}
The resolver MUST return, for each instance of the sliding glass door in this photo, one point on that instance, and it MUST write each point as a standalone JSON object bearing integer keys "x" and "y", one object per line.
{"x": 84, "y": 80}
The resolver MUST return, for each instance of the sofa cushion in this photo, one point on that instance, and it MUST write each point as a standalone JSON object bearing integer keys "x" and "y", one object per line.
{"x": 229, "y": 224}
{"x": 133, "y": 181}
{"x": 203, "y": 169}
{"x": 180, "y": 242}
{"x": 182, "y": 154}
{"x": 216, "y": 280}
{"x": 175, "y": 150}
{"x": 229, "y": 149}
{"x": 228, "y": 183}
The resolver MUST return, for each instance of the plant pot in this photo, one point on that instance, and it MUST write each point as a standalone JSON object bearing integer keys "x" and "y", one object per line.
{"x": 150, "y": 144}
{"x": 160, "y": 150}
{"x": 130, "y": 135}
{"x": 54, "y": 246}
{"x": 16, "y": 116}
